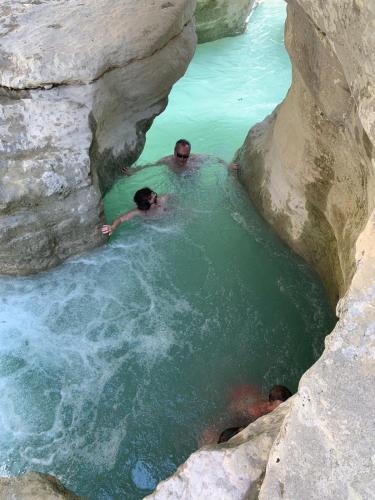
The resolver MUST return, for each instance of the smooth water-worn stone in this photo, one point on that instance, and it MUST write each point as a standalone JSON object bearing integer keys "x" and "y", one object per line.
{"x": 34, "y": 486}
{"x": 219, "y": 18}
{"x": 230, "y": 470}
{"x": 326, "y": 447}
{"x": 80, "y": 85}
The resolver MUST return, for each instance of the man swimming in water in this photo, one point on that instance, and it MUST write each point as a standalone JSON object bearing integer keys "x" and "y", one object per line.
{"x": 182, "y": 160}
{"x": 149, "y": 204}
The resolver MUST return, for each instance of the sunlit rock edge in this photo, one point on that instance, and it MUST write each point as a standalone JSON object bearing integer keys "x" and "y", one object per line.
{"x": 220, "y": 18}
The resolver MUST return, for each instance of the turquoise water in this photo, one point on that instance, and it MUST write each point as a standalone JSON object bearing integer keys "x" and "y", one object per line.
{"x": 112, "y": 365}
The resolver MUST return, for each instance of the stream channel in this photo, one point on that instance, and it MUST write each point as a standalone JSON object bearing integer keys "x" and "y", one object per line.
{"x": 113, "y": 364}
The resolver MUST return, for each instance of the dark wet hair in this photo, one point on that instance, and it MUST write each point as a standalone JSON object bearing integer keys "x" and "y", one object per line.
{"x": 142, "y": 198}
{"x": 229, "y": 433}
{"x": 279, "y": 393}
{"x": 183, "y": 142}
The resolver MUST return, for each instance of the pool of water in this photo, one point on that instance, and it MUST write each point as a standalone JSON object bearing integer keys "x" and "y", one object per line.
{"x": 112, "y": 365}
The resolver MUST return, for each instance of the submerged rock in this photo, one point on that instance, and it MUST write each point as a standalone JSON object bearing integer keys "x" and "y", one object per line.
{"x": 34, "y": 486}
{"x": 80, "y": 85}
{"x": 220, "y": 18}
{"x": 230, "y": 470}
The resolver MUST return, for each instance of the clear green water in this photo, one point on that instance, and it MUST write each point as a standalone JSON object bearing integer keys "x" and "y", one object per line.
{"x": 113, "y": 364}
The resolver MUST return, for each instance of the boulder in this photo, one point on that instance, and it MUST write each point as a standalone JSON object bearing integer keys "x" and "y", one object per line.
{"x": 220, "y": 18}
{"x": 227, "y": 471}
{"x": 81, "y": 83}
{"x": 34, "y": 486}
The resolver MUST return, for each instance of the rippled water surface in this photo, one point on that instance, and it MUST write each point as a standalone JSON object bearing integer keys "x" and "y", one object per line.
{"x": 112, "y": 365}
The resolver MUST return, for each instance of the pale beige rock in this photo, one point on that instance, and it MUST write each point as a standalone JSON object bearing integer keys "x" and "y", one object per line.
{"x": 326, "y": 447}
{"x": 219, "y": 18}
{"x": 231, "y": 470}
{"x": 81, "y": 83}
{"x": 34, "y": 486}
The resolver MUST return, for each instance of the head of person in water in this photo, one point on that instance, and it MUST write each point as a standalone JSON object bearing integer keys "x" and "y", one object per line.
{"x": 144, "y": 198}
{"x": 229, "y": 433}
{"x": 279, "y": 393}
{"x": 182, "y": 152}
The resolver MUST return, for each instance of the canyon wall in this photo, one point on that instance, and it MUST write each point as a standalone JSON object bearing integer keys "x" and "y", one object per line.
{"x": 220, "y": 18}
{"x": 80, "y": 84}
{"x": 34, "y": 486}
{"x": 309, "y": 168}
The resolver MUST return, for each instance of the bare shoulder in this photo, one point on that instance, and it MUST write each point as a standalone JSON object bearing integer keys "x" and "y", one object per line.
{"x": 166, "y": 160}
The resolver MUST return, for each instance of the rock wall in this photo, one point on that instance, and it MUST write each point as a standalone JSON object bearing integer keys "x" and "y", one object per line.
{"x": 80, "y": 84}
{"x": 34, "y": 486}
{"x": 309, "y": 166}
{"x": 230, "y": 470}
{"x": 220, "y": 18}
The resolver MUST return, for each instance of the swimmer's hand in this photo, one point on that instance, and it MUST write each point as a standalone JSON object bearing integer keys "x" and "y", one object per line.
{"x": 106, "y": 229}
{"x": 125, "y": 170}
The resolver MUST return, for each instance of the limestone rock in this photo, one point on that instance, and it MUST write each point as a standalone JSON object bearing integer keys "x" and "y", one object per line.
{"x": 232, "y": 470}
{"x": 34, "y": 486}
{"x": 220, "y": 18}
{"x": 81, "y": 83}
{"x": 326, "y": 447}
{"x": 309, "y": 167}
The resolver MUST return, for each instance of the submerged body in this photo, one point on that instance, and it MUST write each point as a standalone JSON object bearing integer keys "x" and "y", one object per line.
{"x": 183, "y": 160}
{"x": 149, "y": 205}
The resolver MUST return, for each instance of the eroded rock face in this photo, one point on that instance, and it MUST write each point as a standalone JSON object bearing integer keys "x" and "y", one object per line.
{"x": 34, "y": 486}
{"x": 219, "y": 18}
{"x": 309, "y": 167}
{"x": 230, "y": 470}
{"x": 80, "y": 85}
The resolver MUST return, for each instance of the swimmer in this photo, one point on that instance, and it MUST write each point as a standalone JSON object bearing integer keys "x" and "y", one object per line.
{"x": 277, "y": 395}
{"x": 246, "y": 407}
{"x": 149, "y": 204}
{"x": 182, "y": 160}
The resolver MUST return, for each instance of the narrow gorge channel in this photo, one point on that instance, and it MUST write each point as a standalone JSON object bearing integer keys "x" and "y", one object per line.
{"x": 114, "y": 364}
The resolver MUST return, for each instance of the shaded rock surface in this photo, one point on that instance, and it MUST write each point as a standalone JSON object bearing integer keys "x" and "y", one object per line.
{"x": 34, "y": 486}
{"x": 80, "y": 84}
{"x": 230, "y": 470}
{"x": 309, "y": 166}
{"x": 220, "y": 18}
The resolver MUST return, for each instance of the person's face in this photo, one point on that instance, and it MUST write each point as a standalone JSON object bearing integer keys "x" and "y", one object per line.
{"x": 181, "y": 154}
{"x": 153, "y": 198}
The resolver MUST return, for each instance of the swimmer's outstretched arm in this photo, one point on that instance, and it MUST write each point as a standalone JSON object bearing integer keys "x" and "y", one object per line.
{"x": 108, "y": 229}
{"x": 133, "y": 170}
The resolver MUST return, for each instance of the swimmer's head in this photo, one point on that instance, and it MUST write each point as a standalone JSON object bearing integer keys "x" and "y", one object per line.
{"x": 279, "y": 393}
{"x": 229, "y": 433}
{"x": 182, "y": 152}
{"x": 144, "y": 198}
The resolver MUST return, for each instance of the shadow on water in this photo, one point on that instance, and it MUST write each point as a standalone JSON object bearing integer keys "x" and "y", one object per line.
{"x": 112, "y": 365}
